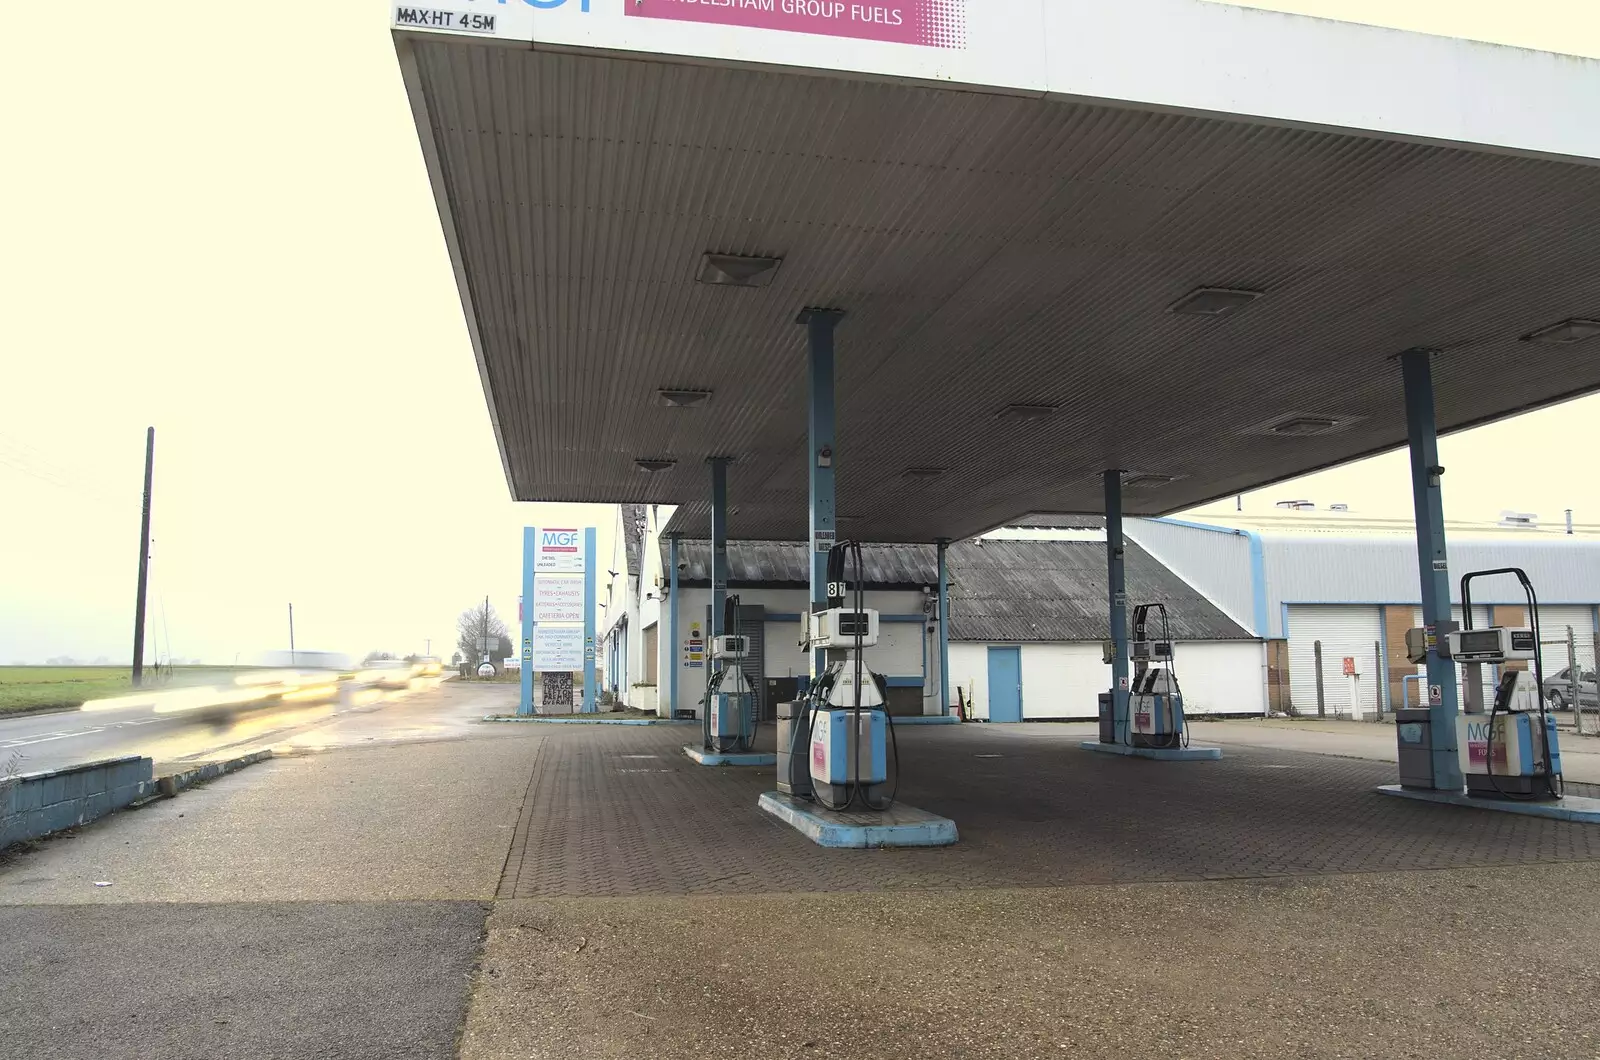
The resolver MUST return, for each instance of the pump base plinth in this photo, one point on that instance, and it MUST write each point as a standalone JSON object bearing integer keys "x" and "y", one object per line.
{"x": 898, "y": 826}
{"x": 1159, "y": 754}
{"x": 1572, "y": 808}
{"x": 700, "y": 756}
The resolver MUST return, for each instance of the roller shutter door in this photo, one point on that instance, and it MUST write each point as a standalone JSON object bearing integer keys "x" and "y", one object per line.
{"x": 1344, "y": 631}
{"x": 1553, "y": 623}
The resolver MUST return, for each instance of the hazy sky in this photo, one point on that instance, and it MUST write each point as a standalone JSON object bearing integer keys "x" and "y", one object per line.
{"x": 217, "y": 222}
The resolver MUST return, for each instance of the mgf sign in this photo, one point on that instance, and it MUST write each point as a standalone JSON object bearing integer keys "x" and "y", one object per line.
{"x": 559, "y": 551}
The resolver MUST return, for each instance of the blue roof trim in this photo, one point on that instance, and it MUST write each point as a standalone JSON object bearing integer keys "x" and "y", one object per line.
{"x": 1258, "y": 584}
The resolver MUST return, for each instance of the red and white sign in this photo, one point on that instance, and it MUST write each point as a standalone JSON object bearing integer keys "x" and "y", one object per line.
{"x": 1349, "y": 665}
{"x": 924, "y": 23}
{"x": 1435, "y": 695}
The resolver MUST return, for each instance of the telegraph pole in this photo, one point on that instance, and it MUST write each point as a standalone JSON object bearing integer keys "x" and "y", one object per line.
{"x": 144, "y": 560}
{"x": 291, "y": 635}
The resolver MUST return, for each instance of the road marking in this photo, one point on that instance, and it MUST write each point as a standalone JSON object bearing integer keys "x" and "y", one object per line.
{"x": 47, "y": 737}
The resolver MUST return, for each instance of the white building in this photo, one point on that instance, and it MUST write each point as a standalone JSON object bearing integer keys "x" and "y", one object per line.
{"x": 1348, "y": 589}
{"x": 1028, "y": 618}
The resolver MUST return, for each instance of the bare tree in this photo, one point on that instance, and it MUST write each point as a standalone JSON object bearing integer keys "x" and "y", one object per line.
{"x": 476, "y": 624}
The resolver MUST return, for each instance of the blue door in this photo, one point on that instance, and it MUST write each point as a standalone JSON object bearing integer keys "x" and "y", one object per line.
{"x": 1005, "y": 684}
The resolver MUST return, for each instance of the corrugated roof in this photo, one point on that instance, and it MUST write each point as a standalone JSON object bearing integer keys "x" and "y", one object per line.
{"x": 1057, "y": 591}
{"x": 789, "y": 563}
{"x": 633, "y": 533}
{"x": 1001, "y": 591}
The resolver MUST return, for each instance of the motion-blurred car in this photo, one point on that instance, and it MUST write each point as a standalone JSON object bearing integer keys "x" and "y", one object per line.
{"x": 1558, "y": 689}
{"x": 428, "y": 666}
{"x": 387, "y": 673}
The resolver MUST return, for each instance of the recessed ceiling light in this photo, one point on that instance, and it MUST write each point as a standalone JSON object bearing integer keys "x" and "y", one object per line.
{"x": 1213, "y": 302}
{"x": 1028, "y": 412}
{"x": 1144, "y": 480}
{"x": 652, "y": 466}
{"x": 1565, "y": 332}
{"x": 1304, "y": 426}
{"x": 683, "y": 399}
{"x": 923, "y": 473}
{"x": 737, "y": 270}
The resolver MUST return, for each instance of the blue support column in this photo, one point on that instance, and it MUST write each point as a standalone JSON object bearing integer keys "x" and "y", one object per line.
{"x": 672, "y": 650}
{"x": 944, "y": 626}
{"x": 1118, "y": 590}
{"x": 819, "y": 324}
{"x": 530, "y": 541}
{"x": 719, "y": 546}
{"x": 1417, "y": 371}
{"x": 588, "y": 620}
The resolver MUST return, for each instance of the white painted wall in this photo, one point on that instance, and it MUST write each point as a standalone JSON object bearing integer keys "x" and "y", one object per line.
{"x": 897, "y": 654}
{"x": 1064, "y": 680}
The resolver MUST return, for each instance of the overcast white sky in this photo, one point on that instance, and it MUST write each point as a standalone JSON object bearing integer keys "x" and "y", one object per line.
{"x": 237, "y": 244}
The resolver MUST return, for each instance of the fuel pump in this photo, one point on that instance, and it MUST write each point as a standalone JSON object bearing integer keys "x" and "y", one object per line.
{"x": 1155, "y": 702}
{"x": 728, "y": 720}
{"x": 846, "y": 729}
{"x": 1513, "y": 753}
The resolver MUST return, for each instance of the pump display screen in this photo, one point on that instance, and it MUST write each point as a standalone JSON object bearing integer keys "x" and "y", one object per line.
{"x": 1480, "y": 642}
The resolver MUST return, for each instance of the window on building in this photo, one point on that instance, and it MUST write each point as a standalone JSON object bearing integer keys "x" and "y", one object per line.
{"x": 652, "y": 666}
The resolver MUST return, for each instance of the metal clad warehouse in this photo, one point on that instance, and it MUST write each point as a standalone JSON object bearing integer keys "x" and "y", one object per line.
{"x": 1322, "y": 586}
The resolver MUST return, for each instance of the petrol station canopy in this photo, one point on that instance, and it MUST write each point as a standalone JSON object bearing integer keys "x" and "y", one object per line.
{"x": 1172, "y": 237}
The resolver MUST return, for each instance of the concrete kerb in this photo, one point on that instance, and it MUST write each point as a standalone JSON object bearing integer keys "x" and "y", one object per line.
{"x": 536, "y": 719}
{"x": 1574, "y": 808}
{"x": 926, "y": 719}
{"x": 183, "y": 780}
{"x": 1159, "y": 754}
{"x": 700, "y": 756}
{"x": 899, "y": 826}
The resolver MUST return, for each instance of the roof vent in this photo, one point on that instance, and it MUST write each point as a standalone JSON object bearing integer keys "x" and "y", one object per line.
{"x": 736, "y": 270}
{"x": 651, "y": 467}
{"x": 683, "y": 399}
{"x": 1028, "y": 412}
{"x": 1213, "y": 302}
{"x": 1568, "y": 331}
{"x": 1519, "y": 520}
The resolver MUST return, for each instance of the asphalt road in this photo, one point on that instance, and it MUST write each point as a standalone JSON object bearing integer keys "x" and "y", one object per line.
{"x": 50, "y": 741}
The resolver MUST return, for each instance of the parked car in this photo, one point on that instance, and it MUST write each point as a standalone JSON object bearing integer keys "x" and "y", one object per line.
{"x": 1558, "y": 689}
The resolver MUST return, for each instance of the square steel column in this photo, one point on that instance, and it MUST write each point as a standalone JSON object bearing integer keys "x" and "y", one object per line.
{"x": 719, "y": 546}
{"x": 944, "y": 626}
{"x": 1417, "y": 372}
{"x": 530, "y": 543}
{"x": 819, "y": 325}
{"x": 672, "y": 632}
{"x": 1117, "y": 585}
{"x": 589, "y": 561}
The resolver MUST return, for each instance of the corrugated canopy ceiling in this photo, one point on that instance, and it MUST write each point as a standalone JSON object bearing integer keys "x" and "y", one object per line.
{"x": 988, "y": 250}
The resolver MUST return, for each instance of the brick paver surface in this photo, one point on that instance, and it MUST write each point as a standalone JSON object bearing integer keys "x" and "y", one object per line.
{"x": 622, "y": 812}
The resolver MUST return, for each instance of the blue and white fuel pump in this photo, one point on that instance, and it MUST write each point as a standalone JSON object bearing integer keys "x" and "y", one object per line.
{"x": 841, "y": 748}
{"x": 1155, "y": 701}
{"x": 1512, "y": 752}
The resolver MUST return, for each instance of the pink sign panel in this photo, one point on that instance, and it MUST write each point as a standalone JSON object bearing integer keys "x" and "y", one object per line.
{"x": 925, "y": 23}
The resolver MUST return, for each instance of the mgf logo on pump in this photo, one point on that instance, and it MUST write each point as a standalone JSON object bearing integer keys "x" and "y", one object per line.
{"x": 560, "y": 550}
